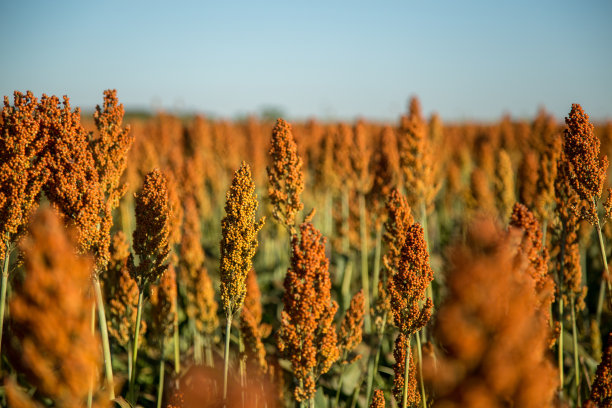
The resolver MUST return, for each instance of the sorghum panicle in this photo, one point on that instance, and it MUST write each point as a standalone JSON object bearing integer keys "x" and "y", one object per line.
{"x": 351, "y": 327}
{"x": 285, "y": 175}
{"x": 407, "y": 286}
{"x": 307, "y": 336}
{"x": 601, "y": 390}
{"x": 239, "y": 242}
{"x": 378, "y": 399}
{"x": 163, "y": 302}
{"x": 491, "y": 328}
{"x": 22, "y": 172}
{"x": 120, "y": 292}
{"x": 587, "y": 170}
{"x": 150, "y": 238}
{"x": 51, "y": 340}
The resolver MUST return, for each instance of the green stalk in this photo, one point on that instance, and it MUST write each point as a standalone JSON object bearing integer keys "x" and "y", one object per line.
{"x": 209, "y": 356}
{"x": 5, "y": 269}
{"x": 365, "y": 279}
{"x": 561, "y": 317}
{"x": 135, "y": 347}
{"x": 177, "y": 350}
{"x": 372, "y": 374}
{"x": 197, "y": 348}
{"x": 130, "y": 359}
{"x": 228, "y": 328}
{"x": 345, "y": 289}
{"x": 575, "y": 342}
{"x": 560, "y": 347}
{"x": 420, "y": 357}
{"x": 377, "y": 253}
{"x": 604, "y": 276}
{"x": 108, "y": 364}
{"x": 162, "y": 366}
{"x": 406, "y": 374}
{"x": 93, "y": 331}
{"x": 329, "y": 219}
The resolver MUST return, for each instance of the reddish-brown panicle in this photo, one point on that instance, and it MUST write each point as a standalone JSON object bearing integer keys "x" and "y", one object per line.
{"x": 351, "y": 328}
{"x": 407, "y": 286}
{"x": 150, "y": 238}
{"x": 163, "y": 302}
{"x": 307, "y": 336}
{"x": 378, "y": 399}
{"x": 587, "y": 170}
{"x": 601, "y": 391}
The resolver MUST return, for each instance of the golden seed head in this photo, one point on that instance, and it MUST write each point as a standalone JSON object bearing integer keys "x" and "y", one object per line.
{"x": 239, "y": 230}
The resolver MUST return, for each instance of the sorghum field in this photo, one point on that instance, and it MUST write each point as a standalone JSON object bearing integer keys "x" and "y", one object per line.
{"x": 171, "y": 261}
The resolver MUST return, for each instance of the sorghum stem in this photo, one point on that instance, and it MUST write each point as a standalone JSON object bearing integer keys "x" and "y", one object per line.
{"x": 177, "y": 343}
{"x": 365, "y": 278}
{"x": 135, "y": 346}
{"x": 377, "y": 252}
{"x": 575, "y": 343}
{"x": 228, "y": 328}
{"x": 3, "y": 294}
{"x": 420, "y": 357}
{"x": 162, "y": 366}
{"x": 604, "y": 277}
{"x": 93, "y": 331}
{"x": 560, "y": 346}
{"x": 372, "y": 374}
{"x": 108, "y": 364}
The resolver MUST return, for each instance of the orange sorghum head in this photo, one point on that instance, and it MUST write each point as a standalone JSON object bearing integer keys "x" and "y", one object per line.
{"x": 163, "y": 302}
{"x": 120, "y": 292}
{"x": 490, "y": 327}
{"x": 285, "y": 175}
{"x": 51, "y": 340}
{"x": 110, "y": 147}
{"x": 74, "y": 185}
{"x": 378, "y": 399}
{"x": 239, "y": 241}
{"x": 418, "y": 165}
{"x": 399, "y": 219}
{"x": 150, "y": 238}
{"x": 351, "y": 327}
{"x": 407, "y": 286}
{"x": 308, "y": 336}
{"x": 601, "y": 391}
{"x": 587, "y": 170}
{"x": 385, "y": 170}
{"x": 567, "y": 236}
{"x": 537, "y": 255}
{"x": 22, "y": 172}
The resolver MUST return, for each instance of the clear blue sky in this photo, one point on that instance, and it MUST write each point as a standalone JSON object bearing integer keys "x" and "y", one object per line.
{"x": 330, "y": 59}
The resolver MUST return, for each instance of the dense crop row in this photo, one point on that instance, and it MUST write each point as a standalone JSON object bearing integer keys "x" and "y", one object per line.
{"x": 191, "y": 262}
